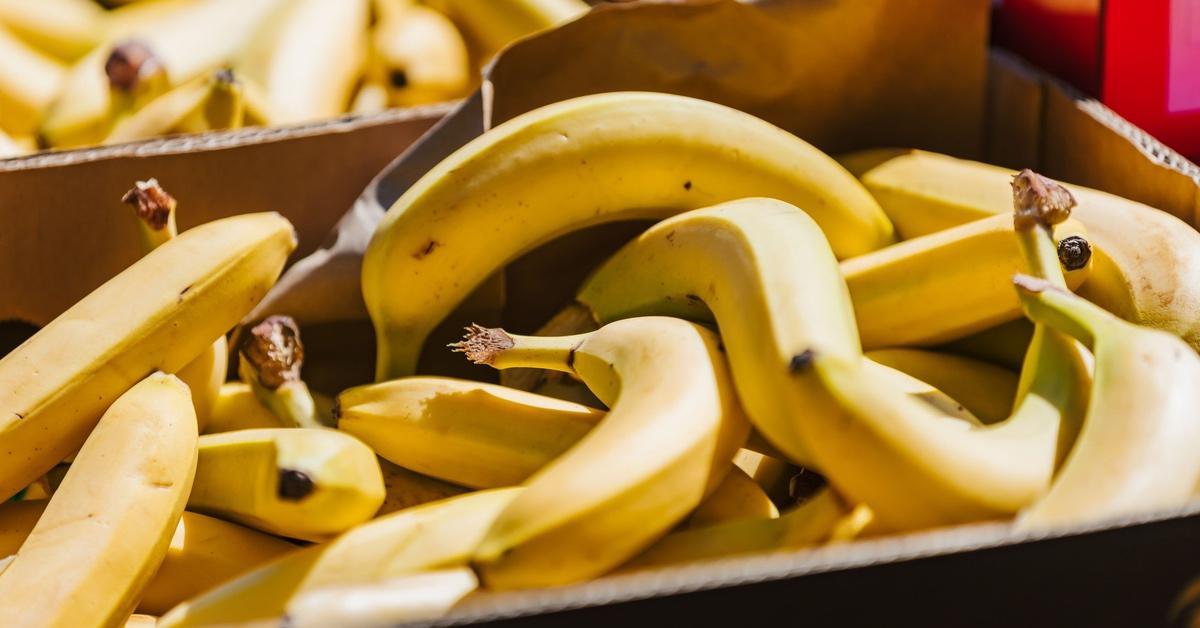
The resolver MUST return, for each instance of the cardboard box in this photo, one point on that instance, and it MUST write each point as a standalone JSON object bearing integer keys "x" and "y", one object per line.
{"x": 844, "y": 74}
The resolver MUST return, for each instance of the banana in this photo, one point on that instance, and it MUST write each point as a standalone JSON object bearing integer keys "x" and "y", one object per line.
{"x": 309, "y": 59}
{"x": 405, "y": 489}
{"x": 494, "y": 24}
{"x": 141, "y": 621}
{"x": 923, "y": 192}
{"x": 1003, "y": 345}
{"x": 238, "y": 408}
{"x": 763, "y": 271}
{"x": 371, "y": 97}
{"x": 418, "y": 55}
{"x": 420, "y": 596}
{"x": 206, "y": 103}
{"x": 470, "y": 433}
{"x": 672, "y": 429}
{"x": 155, "y": 212}
{"x": 920, "y": 390}
{"x": 736, "y": 497}
{"x": 29, "y": 82}
{"x": 13, "y": 147}
{"x": 67, "y": 29}
{"x": 596, "y": 160}
{"x": 203, "y": 553}
{"x": 300, "y": 483}
{"x": 985, "y": 389}
{"x": 159, "y": 313}
{"x": 269, "y": 360}
{"x": 921, "y": 291}
{"x": 772, "y": 474}
{"x": 437, "y": 535}
{"x": 1134, "y": 452}
{"x": 108, "y": 526}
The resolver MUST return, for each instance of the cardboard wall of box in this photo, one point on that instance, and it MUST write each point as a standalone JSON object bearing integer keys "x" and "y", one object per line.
{"x": 843, "y": 74}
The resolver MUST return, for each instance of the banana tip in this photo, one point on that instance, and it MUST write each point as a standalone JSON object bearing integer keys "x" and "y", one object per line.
{"x": 273, "y": 348}
{"x": 153, "y": 204}
{"x": 129, "y": 63}
{"x": 482, "y": 344}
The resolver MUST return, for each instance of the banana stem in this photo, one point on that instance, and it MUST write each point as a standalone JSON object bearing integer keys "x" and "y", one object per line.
{"x": 1061, "y": 310}
{"x": 155, "y": 211}
{"x": 225, "y": 107}
{"x": 269, "y": 360}
{"x": 502, "y": 350}
{"x": 1039, "y": 204}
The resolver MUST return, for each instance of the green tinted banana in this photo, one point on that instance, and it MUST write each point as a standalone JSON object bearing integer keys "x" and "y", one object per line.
{"x": 159, "y": 313}
{"x": 417, "y": 55}
{"x": 420, "y": 596}
{"x": 985, "y": 389}
{"x": 29, "y": 82}
{"x": 206, "y": 103}
{"x": 1136, "y": 450}
{"x": 309, "y": 58}
{"x": 109, "y": 525}
{"x": 737, "y": 497}
{"x": 66, "y": 29}
{"x": 437, "y": 535}
{"x": 495, "y": 24}
{"x": 470, "y": 433}
{"x": 203, "y": 553}
{"x": 204, "y": 375}
{"x": 667, "y": 441}
{"x": 270, "y": 356}
{"x": 1147, "y": 262}
{"x": 300, "y": 483}
{"x": 596, "y": 160}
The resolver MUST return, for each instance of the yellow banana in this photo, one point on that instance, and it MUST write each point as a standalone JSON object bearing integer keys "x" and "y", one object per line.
{"x": 238, "y": 408}
{"x": 596, "y": 160}
{"x": 14, "y": 147}
{"x": 672, "y": 429}
{"x": 437, "y": 535}
{"x": 206, "y": 103}
{"x": 1135, "y": 452}
{"x": 763, "y": 271}
{"x": 66, "y": 29}
{"x": 159, "y": 313}
{"x": 29, "y": 82}
{"x": 1003, "y": 345}
{"x": 309, "y": 59}
{"x": 299, "y": 483}
{"x": 470, "y": 433}
{"x": 948, "y": 284}
{"x": 772, "y": 474}
{"x": 985, "y": 389}
{"x": 923, "y": 192}
{"x": 737, "y": 497}
{"x": 418, "y": 55}
{"x": 269, "y": 360}
{"x": 203, "y": 553}
{"x": 494, "y": 24}
{"x": 107, "y": 528}
{"x": 405, "y": 489}
{"x": 420, "y": 596}
{"x": 204, "y": 375}
{"x": 371, "y": 97}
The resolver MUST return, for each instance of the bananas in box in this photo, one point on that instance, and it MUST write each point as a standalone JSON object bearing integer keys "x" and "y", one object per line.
{"x": 774, "y": 365}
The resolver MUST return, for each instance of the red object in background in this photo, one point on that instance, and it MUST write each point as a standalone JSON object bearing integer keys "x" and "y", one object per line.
{"x": 1140, "y": 57}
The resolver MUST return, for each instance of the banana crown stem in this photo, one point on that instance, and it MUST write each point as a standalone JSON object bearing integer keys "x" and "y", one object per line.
{"x": 155, "y": 211}
{"x": 1039, "y": 204}
{"x": 502, "y": 350}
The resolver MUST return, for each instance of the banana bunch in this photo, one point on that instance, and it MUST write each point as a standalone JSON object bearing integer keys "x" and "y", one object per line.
{"x": 76, "y": 73}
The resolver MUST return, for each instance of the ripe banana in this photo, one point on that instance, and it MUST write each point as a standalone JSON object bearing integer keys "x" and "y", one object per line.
{"x": 985, "y": 389}
{"x": 596, "y": 159}
{"x": 420, "y": 596}
{"x": 66, "y": 29}
{"x": 470, "y": 433}
{"x": 270, "y": 356}
{"x": 772, "y": 474}
{"x": 159, "y": 313}
{"x": 238, "y": 408}
{"x": 309, "y": 58}
{"x": 300, "y": 483}
{"x": 203, "y": 553}
{"x": 737, "y": 497}
{"x": 155, "y": 213}
{"x": 672, "y": 429}
{"x": 405, "y": 489}
{"x": 494, "y": 24}
{"x": 923, "y": 192}
{"x": 206, "y": 103}
{"x": 418, "y": 55}
{"x": 13, "y": 147}
{"x": 1003, "y": 345}
{"x": 29, "y": 82}
{"x": 437, "y": 535}
{"x": 108, "y": 526}
{"x": 1136, "y": 449}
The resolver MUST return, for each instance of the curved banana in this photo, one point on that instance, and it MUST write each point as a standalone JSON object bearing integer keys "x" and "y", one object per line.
{"x": 421, "y": 596}
{"x": 737, "y": 497}
{"x": 672, "y": 429}
{"x": 108, "y": 526}
{"x": 1003, "y": 345}
{"x": 309, "y": 58}
{"x": 67, "y": 29}
{"x": 985, "y": 389}
{"x": 437, "y": 535}
{"x": 596, "y": 159}
{"x": 494, "y": 24}
{"x": 206, "y": 103}
{"x": 1136, "y": 450}
{"x": 773, "y": 474}
{"x": 29, "y": 82}
{"x": 762, "y": 270}
{"x": 270, "y": 356}
{"x": 923, "y": 192}
{"x": 204, "y": 375}
{"x": 470, "y": 433}
{"x": 159, "y": 313}
{"x": 406, "y": 489}
{"x": 300, "y": 483}
{"x": 418, "y": 55}
{"x": 236, "y": 407}
{"x": 203, "y": 553}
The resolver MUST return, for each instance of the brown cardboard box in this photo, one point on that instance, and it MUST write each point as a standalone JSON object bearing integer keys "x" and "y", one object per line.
{"x": 843, "y": 74}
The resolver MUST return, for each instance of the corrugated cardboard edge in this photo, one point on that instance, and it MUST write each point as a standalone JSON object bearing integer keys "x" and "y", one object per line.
{"x": 221, "y": 140}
